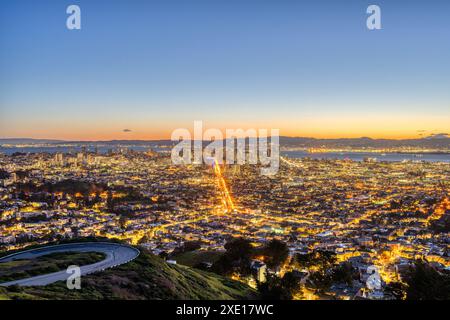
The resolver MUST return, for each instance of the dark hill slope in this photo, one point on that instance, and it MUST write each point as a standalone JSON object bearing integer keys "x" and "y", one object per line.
{"x": 147, "y": 277}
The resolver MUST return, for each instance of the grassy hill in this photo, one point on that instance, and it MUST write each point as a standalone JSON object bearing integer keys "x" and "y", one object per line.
{"x": 146, "y": 277}
{"x": 25, "y": 268}
{"x": 193, "y": 258}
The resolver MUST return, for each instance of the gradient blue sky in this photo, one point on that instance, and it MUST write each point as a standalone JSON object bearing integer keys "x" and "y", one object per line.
{"x": 309, "y": 68}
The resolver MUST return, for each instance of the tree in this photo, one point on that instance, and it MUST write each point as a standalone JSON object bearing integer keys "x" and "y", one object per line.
{"x": 188, "y": 246}
{"x": 321, "y": 265}
{"x": 291, "y": 282}
{"x": 110, "y": 201}
{"x": 237, "y": 258}
{"x": 223, "y": 266}
{"x": 163, "y": 254}
{"x": 276, "y": 253}
{"x": 317, "y": 259}
{"x": 425, "y": 283}
{"x": 239, "y": 248}
{"x": 397, "y": 290}
{"x": 123, "y": 222}
{"x": 146, "y": 239}
{"x": 4, "y": 174}
{"x": 276, "y": 288}
{"x": 343, "y": 273}
{"x": 321, "y": 281}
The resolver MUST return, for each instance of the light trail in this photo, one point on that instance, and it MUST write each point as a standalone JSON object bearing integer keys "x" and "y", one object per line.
{"x": 228, "y": 201}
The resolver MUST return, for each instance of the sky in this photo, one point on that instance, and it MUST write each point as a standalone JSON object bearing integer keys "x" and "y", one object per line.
{"x": 141, "y": 69}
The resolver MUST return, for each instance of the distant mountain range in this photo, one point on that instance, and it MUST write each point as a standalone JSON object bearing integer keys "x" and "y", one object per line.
{"x": 435, "y": 141}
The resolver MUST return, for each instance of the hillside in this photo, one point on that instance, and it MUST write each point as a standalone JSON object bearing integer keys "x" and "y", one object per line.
{"x": 25, "y": 268}
{"x": 147, "y": 277}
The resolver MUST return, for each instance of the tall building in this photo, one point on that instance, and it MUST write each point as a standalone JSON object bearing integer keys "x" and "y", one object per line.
{"x": 59, "y": 159}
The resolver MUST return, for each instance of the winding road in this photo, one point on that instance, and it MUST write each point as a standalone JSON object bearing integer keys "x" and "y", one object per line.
{"x": 116, "y": 254}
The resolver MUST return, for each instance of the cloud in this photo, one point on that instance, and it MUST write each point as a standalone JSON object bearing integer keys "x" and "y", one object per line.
{"x": 127, "y": 130}
{"x": 439, "y": 136}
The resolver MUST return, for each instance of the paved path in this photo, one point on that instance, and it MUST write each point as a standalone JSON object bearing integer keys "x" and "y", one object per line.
{"x": 116, "y": 254}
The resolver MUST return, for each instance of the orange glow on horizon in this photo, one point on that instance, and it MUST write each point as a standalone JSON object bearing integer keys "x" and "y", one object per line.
{"x": 321, "y": 127}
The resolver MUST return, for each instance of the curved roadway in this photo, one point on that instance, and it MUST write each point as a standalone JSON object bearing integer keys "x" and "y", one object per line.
{"x": 116, "y": 254}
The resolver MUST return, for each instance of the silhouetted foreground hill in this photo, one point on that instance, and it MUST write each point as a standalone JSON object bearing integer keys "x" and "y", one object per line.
{"x": 147, "y": 277}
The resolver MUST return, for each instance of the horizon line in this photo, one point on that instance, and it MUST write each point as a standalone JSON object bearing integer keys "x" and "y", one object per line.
{"x": 442, "y": 135}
